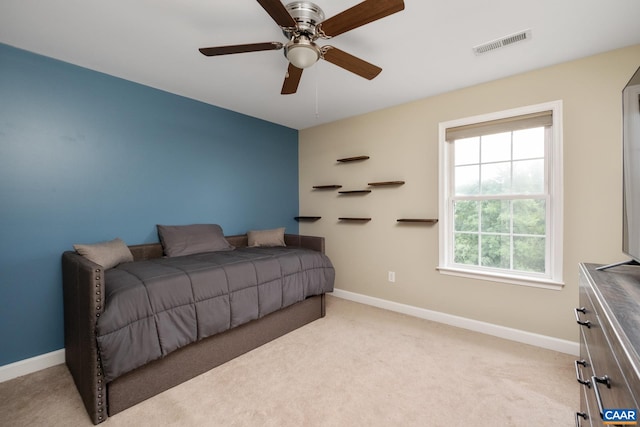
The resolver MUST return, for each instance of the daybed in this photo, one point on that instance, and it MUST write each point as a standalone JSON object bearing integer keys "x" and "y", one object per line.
{"x": 84, "y": 304}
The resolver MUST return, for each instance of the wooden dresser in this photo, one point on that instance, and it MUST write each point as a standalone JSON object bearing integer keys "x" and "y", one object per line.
{"x": 609, "y": 364}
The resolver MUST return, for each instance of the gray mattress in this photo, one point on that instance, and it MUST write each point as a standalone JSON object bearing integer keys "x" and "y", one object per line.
{"x": 156, "y": 306}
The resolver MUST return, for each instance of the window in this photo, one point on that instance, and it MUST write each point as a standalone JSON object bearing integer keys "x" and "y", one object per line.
{"x": 501, "y": 196}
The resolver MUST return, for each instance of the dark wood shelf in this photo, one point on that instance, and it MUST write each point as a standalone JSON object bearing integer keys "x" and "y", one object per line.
{"x": 353, "y": 159}
{"x": 419, "y": 220}
{"x": 355, "y": 192}
{"x": 382, "y": 183}
{"x": 307, "y": 218}
{"x": 327, "y": 187}
{"x": 354, "y": 219}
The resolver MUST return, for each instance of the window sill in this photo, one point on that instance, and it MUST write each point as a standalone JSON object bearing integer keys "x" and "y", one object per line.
{"x": 503, "y": 278}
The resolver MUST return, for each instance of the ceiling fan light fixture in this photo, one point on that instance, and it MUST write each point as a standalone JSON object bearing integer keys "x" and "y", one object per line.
{"x": 301, "y": 52}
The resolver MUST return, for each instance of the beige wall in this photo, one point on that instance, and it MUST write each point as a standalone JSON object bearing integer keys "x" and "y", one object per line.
{"x": 403, "y": 144}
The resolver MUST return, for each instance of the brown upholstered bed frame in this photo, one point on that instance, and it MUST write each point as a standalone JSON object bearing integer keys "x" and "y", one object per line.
{"x": 83, "y": 283}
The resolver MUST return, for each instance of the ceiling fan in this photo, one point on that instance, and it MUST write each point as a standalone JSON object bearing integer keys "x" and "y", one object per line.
{"x": 303, "y": 23}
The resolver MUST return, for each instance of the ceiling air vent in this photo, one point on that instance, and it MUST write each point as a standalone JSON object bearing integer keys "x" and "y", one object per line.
{"x": 502, "y": 42}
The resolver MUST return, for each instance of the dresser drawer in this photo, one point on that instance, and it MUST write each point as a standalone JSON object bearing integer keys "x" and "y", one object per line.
{"x": 602, "y": 357}
{"x": 585, "y": 418}
{"x": 587, "y": 399}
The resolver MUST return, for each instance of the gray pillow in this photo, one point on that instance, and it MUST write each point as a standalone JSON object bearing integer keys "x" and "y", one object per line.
{"x": 274, "y": 237}
{"x": 178, "y": 240}
{"x": 107, "y": 254}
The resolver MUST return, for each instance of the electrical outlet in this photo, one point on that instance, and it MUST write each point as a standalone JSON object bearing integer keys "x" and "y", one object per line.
{"x": 392, "y": 276}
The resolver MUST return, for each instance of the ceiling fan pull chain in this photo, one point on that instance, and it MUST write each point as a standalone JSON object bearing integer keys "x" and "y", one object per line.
{"x": 317, "y": 109}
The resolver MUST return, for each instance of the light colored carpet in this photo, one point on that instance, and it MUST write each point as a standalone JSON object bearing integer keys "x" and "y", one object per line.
{"x": 358, "y": 366}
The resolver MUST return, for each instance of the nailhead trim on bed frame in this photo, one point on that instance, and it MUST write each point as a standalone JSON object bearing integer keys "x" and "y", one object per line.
{"x": 99, "y": 310}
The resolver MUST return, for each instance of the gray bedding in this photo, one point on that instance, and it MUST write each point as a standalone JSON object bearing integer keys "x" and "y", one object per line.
{"x": 154, "y": 307}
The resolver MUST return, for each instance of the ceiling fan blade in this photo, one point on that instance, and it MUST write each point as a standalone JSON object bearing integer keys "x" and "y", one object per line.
{"x": 278, "y": 13}
{"x": 240, "y": 48}
{"x": 291, "y": 80}
{"x": 359, "y": 15}
{"x": 351, "y": 63}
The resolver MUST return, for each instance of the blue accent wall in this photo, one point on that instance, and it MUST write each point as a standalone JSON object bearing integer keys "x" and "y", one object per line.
{"x": 86, "y": 157}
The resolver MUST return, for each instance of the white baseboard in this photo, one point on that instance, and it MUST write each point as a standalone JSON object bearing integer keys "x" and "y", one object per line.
{"x": 550, "y": 343}
{"x": 33, "y": 364}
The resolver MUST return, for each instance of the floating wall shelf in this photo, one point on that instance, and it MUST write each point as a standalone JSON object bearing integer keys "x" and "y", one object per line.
{"x": 327, "y": 187}
{"x": 307, "y": 218}
{"x": 419, "y": 220}
{"x": 354, "y": 219}
{"x": 382, "y": 183}
{"x": 353, "y": 159}
{"x": 355, "y": 192}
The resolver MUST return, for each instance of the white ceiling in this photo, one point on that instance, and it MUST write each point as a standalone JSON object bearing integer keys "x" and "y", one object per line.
{"x": 424, "y": 50}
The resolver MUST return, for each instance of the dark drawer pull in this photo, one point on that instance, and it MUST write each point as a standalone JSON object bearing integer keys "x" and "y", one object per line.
{"x": 600, "y": 380}
{"x": 578, "y": 415}
{"x": 578, "y": 376}
{"x": 582, "y": 310}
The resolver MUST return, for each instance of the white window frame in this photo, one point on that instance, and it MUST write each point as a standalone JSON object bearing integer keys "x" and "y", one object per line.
{"x": 553, "y": 279}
